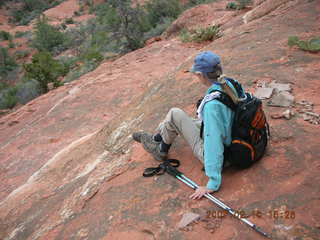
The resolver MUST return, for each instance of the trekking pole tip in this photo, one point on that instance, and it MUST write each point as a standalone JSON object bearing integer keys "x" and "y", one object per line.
{"x": 262, "y": 232}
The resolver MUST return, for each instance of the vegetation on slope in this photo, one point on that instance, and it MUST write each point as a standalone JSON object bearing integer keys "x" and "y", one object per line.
{"x": 117, "y": 28}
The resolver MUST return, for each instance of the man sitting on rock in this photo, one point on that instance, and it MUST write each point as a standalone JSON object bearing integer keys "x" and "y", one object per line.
{"x": 207, "y": 140}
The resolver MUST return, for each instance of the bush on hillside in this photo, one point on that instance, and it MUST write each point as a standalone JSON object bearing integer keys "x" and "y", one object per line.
{"x": 30, "y": 9}
{"x": 45, "y": 69}
{"x": 192, "y": 3}
{"x": 232, "y": 6}
{"x": 124, "y": 23}
{"x": 239, "y": 4}
{"x": 5, "y": 36}
{"x": 11, "y": 44}
{"x": 200, "y": 34}
{"x": 159, "y": 28}
{"x": 91, "y": 54}
{"x": 80, "y": 37}
{"x": 74, "y": 74}
{"x": 89, "y": 3}
{"x": 312, "y": 45}
{"x": 8, "y": 98}
{"x": 7, "y": 62}
{"x": 3, "y": 3}
{"x": 19, "y": 54}
{"x": 20, "y": 34}
{"x": 48, "y": 38}
{"x": 68, "y": 62}
{"x": 69, "y": 21}
{"x": 27, "y": 91}
{"x": 243, "y": 3}
{"x": 160, "y": 10}
{"x": 23, "y": 92}
{"x": 3, "y": 86}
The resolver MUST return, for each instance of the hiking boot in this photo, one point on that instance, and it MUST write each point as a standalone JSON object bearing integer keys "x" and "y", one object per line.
{"x": 150, "y": 145}
{"x": 137, "y": 136}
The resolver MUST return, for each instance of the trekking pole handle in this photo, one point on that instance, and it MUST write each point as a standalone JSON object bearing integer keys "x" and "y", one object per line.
{"x": 173, "y": 171}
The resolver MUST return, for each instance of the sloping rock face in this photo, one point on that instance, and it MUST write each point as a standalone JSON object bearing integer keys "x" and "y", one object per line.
{"x": 70, "y": 170}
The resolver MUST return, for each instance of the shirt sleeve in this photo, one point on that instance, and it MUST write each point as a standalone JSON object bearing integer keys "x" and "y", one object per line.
{"x": 214, "y": 135}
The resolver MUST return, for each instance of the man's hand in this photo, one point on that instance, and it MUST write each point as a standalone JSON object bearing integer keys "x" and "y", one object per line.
{"x": 200, "y": 191}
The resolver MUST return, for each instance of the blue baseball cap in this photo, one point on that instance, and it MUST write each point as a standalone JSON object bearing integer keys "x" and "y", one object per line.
{"x": 205, "y": 62}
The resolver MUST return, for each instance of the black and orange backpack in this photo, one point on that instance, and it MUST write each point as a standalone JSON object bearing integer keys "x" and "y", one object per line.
{"x": 250, "y": 129}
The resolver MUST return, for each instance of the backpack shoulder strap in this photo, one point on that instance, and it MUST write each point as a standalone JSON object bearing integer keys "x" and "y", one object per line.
{"x": 237, "y": 86}
{"x": 225, "y": 99}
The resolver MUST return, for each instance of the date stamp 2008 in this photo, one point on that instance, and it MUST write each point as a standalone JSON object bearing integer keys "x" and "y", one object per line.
{"x": 274, "y": 214}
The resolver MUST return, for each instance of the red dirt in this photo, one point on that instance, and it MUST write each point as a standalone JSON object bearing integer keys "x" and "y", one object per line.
{"x": 69, "y": 169}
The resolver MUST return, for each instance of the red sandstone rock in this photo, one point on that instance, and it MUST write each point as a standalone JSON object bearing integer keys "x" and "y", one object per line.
{"x": 262, "y": 10}
{"x": 199, "y": 16}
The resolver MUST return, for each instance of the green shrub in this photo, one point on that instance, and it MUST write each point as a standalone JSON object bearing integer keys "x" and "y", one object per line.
{"x": 92, "y": 55}
{"x": 90, "y": 40}
{"x": 3, "y": 86}
{"x": 200, "y": 34}
{"x": 243, "y": 3}
{"x": 26, "y": 34}
{"x": 159, "y": 10}
{"x": 78, "y": 72}
{"x": 124, "y": 23}
{"x": 159, "y": 28}
{"x": 232, "y": 5}
{"x": 240, "y": 4}
{"x": 98, "y": 39}
{"x": 77, "y": 36}
{"x": 7, "y": 62}
{"x": 128, "y": 27}
{"x": 88, "y": 3}
{"x": 192, "y": 3}
{"x": 11, "y": 44}
{"x": 185, "y": 35}
{"x": 27, "y": 91}
{"x": 76, "y": 13}
{"x": 69, "y": 21}
{"x": 5, "y": 36}
{"x": 44, "y": 69}
{"x": 312, "y": 45}
{"x": 30, "y": 9}
{"x": 8, "y": 98}
{"x": 48, "y": 38}
{"x": 68, "y": 62}
{"x": 21, "y": 54}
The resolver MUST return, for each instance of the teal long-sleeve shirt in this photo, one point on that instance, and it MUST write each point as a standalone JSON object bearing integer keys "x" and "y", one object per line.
{"x": 217, "y": 119}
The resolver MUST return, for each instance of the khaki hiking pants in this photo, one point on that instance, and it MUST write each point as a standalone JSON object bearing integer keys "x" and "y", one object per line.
{"x": 177, "y": 122}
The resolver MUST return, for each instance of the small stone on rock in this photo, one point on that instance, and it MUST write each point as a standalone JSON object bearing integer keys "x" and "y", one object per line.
{"x": 299, "y": 69}
{"x": 313, "y": 114}
{"x": 306, "y": 117}
{"x": 263, "y": 93}
{"x": 276, "y": 116}
{"x": 188, "y": 218}
{"x": 280, "y": 87}
{"x": 287, "y": 114}
{"x": 282, "y": 99}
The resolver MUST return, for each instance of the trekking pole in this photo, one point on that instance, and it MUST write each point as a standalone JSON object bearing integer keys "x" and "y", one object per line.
{"x": 179, "y": 175}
